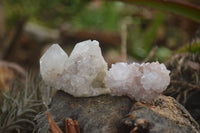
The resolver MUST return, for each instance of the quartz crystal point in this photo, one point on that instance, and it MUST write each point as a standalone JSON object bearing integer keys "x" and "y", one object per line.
{"x": 80, "y": 75}
{"x": 140, "y": 82}
{"x": 86, "y": 70}
{"x": 52, "y": 65}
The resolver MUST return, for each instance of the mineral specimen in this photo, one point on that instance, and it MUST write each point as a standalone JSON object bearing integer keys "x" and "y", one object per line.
{"x": 52, "y": 65}
{"x": 81, "y": 74}
{"x": 84, "y": 73}
{"x": 142, "y": 82}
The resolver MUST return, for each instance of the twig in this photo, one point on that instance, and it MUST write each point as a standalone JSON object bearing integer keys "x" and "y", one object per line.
{"x": 13, "y": 66}
{"x": 10, "y": 42}
{"x": 72, "y": 126}
{"x": 2, "y": 21}
{"x": 151, "y": 54}
{"x": 77, "y": 126}
{"x": 124, "y": 42}
{"x": 52, "y": 124}
{"x": 185, "y": 84}
{"x": 124, "y": 26}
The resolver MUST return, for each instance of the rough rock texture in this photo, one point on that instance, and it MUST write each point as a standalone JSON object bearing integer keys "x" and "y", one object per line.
{"x": 164, "y": 115}
{"x": 81, "y": 74}
{"x": 108, "y": 114}
{"x": 101, "y": 114}
{"x": 144, "y": 82}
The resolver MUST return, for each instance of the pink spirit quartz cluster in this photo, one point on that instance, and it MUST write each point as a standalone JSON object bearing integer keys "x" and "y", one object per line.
{"x": 143, "y": 82}
{"x": 85, "y": 73}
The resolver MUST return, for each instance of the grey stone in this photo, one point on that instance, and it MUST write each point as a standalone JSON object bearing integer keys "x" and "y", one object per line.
{"x": 108, "y": 114}
{"x": 101, "y": 114}
{"x": 164, "y": 115}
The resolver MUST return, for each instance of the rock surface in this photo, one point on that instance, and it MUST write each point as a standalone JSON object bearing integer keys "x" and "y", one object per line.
{"x": 164, "y": 115}
{"x": 100, "y": 114}
{"x": 109, "y": 114}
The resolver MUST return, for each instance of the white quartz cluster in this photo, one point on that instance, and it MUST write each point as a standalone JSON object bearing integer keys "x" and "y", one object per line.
{"x": 81, "y": 74}
{"x": 84, "y": 73}
{"x": 143, "y": 82}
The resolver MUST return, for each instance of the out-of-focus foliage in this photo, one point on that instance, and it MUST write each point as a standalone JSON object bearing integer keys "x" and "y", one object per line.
{"x": 162, "y": 53}
{"x": 140, "y": 40}
{"x": 53, "y": 13}
{"x": 20, "y": 105}
{"x": 50, "y": 13}
{"x": 192, "y": 48}
{"x": 105, "y": 17}
{"x": 181, "y": 8}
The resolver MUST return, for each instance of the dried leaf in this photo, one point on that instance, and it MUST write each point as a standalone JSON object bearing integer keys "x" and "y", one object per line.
{"x": 70, "y": 126}
{"x": 76, "y": 126}
{"x": 52, "y": 124}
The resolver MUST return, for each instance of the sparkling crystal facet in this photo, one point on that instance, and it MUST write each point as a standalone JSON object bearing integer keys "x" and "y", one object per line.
{"x": 81, "y": 74}
{"x": 141, "y": 82}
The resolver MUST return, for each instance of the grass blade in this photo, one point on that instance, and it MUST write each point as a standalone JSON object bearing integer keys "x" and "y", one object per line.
{"x": 181, "y": 8}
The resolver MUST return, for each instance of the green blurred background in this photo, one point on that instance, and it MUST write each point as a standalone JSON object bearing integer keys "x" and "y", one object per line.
{"x": 144, "y": 33}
